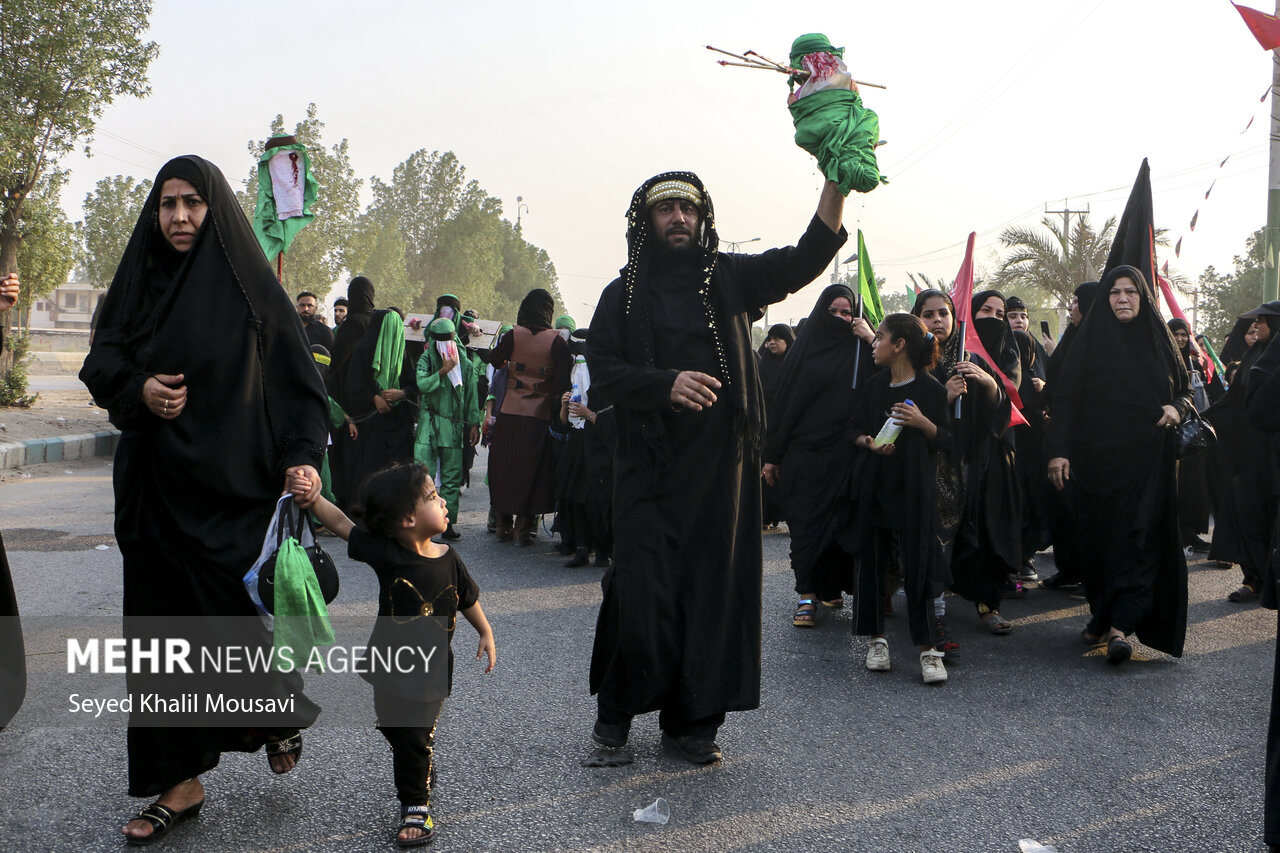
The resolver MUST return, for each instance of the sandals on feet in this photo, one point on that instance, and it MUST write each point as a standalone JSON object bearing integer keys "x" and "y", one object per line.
{"x": 285, "y": 746}
{"x": 1118, "y": 650}
{"x": 162, "y": 819}
{"x": 1091, "y": 639}
{"x": 806, "y": 615}
{"x": 416, "y": 817}
{"x": 834, "y": 603}
{"x": 995, "y": 623}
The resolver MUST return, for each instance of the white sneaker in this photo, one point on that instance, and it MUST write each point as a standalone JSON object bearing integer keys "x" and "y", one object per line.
{"x": 931, "y": 667}
{"x": 878, "y": 655}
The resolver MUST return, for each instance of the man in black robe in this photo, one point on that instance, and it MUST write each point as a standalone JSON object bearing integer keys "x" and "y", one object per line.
{"x": 670, "y": 345}
{"x": 317, "y": 332}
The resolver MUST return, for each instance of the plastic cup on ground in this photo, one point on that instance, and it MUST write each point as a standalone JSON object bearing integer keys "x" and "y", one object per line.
{"x": 656, "y": 812}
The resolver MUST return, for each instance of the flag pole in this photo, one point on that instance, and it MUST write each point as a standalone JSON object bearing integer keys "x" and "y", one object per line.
{"x": 857, "y": 353}
{"x": 1271, "y": 264}
{"x": 963, "y": 356}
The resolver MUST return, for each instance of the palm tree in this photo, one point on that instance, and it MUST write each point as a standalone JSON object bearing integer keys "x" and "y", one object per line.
{"x": 1057, "y": 262}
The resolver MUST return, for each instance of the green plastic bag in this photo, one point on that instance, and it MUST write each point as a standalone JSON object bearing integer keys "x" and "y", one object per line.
{"x": 301, "y": 617}
{"x": 833, "y": 126}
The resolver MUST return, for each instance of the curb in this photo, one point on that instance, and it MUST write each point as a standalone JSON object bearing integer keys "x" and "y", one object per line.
{"x": 63, "y": 448}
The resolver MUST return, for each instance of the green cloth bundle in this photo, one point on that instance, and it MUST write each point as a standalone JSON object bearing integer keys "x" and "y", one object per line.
{"x": 301, "y": 617}
{"x": 832, "y": 125}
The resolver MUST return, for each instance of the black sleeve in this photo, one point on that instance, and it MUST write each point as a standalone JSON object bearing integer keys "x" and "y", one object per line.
{"x": 502, "y": 350}
{"x": 770, "y": 276}
{"x": 364, "y": 547}
{"x": 468, "y": 589}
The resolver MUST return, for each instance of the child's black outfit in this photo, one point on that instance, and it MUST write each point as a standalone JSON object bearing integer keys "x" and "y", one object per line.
{"x": 895, "y": 511}
{"x": 417, "y": 607}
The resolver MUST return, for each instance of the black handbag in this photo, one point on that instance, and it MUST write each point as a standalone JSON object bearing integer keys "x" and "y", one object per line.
{"x": 296, "y": 523}
{"x": 1195, "y": 435}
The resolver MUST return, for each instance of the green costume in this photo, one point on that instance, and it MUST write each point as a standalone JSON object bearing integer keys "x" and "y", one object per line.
{"x": 447, "y": 415}
{"x": 832, "y": 125}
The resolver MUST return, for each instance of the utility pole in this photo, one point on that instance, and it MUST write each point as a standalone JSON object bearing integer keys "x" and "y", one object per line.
{"x": 1066, "y": 218}
{"x": 1269, "y": 265}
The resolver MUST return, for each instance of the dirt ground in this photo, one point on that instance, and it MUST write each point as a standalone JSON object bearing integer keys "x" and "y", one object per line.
{"x": 55, "y": 412}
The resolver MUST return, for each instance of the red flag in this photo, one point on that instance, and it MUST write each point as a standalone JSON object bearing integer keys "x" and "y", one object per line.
{"x": 1167, "y": 290}
{"x": 1265, "y": 28}
{"x": 962, "y": 296}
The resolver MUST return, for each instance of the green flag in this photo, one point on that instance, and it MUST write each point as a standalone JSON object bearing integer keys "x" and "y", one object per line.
{"x": 286, "y": 192}
{"x": 867, "y": 292}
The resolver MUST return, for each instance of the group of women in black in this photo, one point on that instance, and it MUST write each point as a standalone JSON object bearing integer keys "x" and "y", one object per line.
{"x": 900, "y": 457}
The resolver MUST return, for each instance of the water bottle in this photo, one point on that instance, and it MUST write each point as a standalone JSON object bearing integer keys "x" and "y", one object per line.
{"x": 889, "y": 432}
{"x": 575, "y": 394}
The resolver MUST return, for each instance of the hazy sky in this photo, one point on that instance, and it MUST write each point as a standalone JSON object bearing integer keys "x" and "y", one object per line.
{"x": 995, "y": 111}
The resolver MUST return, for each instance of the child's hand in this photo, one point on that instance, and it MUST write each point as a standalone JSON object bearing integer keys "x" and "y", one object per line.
{"x": 299, "y": 483}
{"x": 487, "y": 649}
{"x": 909, "y": 415}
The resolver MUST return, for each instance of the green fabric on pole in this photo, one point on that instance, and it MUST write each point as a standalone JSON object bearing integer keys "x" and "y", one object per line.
{"x": 275, "y": 235}
{"x": 302, "y": 619}
{"x": 1217, "y": 362}
{"x": 911, "y": 295}
{"x": 833, "y": 126}
{"x": 389, "y": 355}
{"x": 872, "y": 310}
{"x": 811, "y": 43}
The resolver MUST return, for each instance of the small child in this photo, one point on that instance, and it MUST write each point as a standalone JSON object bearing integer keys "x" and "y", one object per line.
{"x": 897, "y": 516}
{"x": 423, "y": 586}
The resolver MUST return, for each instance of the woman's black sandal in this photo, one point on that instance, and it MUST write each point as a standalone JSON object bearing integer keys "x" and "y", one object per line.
{"x": 162, "y": 819}
{"x": 285, "y": 746}
{"x": 1118, "y": 650}
{"x": 416, "y": 817}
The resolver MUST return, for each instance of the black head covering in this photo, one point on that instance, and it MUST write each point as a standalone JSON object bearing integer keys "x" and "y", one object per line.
{"x": 1236, "y": 346}
{"x": 536, "y": 310}
{"x": 997, "y": 337}
{"x": 341, "y": 302}
{"x": 783, "y": 332}
{"x": 953, "y": 347}
{"x": 1014, "y": 303}
{"x": 1145, "y": 343}
{"x": 216, "y": 314}
{"x": 1085, "y": 294}
{"x": 820, "y": 362}
{"x": 360, "y": 296}
{"x": 1266, "y": 309}
{"x": 320, "y": 353}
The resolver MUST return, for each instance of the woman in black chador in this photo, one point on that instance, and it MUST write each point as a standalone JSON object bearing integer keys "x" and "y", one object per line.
{"x": 769, "y": 360}
{"x": 201, "y": 361}
{"x": 1123, "y": 389}
{"x": 806, "y": 446}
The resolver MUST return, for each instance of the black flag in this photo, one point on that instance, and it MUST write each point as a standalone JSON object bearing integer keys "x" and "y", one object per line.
{"x": 1135, "y": 236}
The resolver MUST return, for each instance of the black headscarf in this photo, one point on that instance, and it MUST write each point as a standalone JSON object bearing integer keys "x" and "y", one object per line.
{"x": 1142, "y": 348}
{"x": 217, "y": 315}
{"x": 770, "y": 365}
{"x": 347, "y": 336}
{"x": 997, "y": 337}
{"x": 1014, "y": 303}
{"x": 1085, "y": 294}
{"x": 818, "y": 363}
{"x": 535, "y": 310}
{"x": 953, "y": 347}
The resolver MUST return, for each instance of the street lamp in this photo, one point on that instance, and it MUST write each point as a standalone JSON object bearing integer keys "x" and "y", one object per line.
{"x": 835, "y": 267}
{"x": 520, "y": 205}
{"x": 734, "y": 244}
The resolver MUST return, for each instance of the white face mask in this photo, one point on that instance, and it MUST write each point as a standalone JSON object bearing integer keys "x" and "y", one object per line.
{"x": 564, "y": 333}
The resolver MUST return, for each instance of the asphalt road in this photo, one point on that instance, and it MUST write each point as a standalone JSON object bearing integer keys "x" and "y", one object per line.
{"x": 1034, "y": 736}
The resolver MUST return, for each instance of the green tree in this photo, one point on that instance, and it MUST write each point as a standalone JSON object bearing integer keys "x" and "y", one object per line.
{"x": 426, "y": 190}
{"x": 1054, "y": 263}
{"x": 524, "y": 267}
{"x": 110, "y": 213}
{"x": 378, "y": 251}
{"x": 318, "y": 255}
{"x": 46, "y": 240}
{"x": 1223, "y": 297}
{"x": 62, "y": 62}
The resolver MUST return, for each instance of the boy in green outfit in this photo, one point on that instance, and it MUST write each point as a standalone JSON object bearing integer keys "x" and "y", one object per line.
{"x": 449, "y": 419}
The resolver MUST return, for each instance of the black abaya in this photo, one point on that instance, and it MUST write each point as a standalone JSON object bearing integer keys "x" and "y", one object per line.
{"x": 1117, "y": 378}
{"x": 194, "y": 495}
